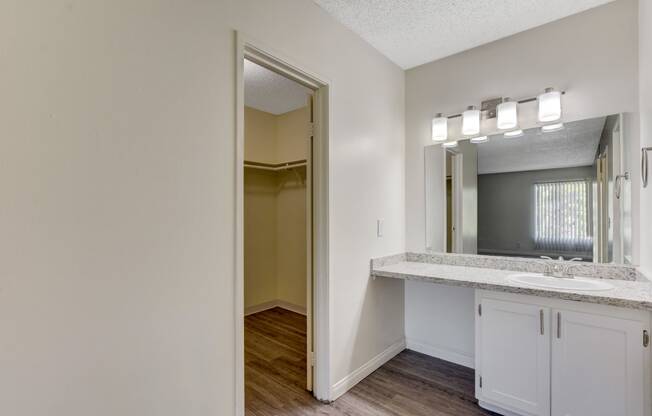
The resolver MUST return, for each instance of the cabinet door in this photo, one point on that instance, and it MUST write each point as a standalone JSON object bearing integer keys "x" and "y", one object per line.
{"x": 514, "y": 356}
{"x": 597, "y": 365}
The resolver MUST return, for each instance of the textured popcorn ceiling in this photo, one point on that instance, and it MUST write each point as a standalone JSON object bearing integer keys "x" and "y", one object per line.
{"x": 272, "y": 93}
{"x": 575, "y": 145}
{"x": 413, "y": 32}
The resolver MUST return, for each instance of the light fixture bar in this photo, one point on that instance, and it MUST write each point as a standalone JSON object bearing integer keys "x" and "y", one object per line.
{"x": 523, "y": 101}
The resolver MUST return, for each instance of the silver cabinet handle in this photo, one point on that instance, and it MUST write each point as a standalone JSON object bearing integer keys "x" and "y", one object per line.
{"x": 541, "y": 320}
{"x": 558, "y": 324}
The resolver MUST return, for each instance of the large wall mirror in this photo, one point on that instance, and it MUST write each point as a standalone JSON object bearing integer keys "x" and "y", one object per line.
{"x": 563, "y": 193}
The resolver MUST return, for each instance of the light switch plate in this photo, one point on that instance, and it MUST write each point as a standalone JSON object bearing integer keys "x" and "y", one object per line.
{"x": 379, "y": 228}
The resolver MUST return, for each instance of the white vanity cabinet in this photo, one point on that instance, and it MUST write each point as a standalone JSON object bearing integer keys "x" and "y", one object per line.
{"x": 597, "y": 364}
{"x": 539, "y": 356}
{"x": 515, "y": 355}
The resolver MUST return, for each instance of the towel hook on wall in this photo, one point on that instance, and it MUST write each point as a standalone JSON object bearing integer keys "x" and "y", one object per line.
{"x": 644, "y": 165}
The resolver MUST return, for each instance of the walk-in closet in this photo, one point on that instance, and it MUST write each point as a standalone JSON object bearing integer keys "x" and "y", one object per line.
{"x": 277, "y": 126}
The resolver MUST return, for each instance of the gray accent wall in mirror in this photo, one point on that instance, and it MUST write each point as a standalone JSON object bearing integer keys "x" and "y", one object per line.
{"x": 563, "y": 193}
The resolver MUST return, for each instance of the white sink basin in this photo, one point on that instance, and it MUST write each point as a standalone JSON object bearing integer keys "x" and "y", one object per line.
{"x": 539, "y": 280}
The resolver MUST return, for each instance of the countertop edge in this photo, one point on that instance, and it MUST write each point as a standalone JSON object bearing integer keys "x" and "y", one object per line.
{"x": 515, "y": 264}
{"x": 574, "y": 296}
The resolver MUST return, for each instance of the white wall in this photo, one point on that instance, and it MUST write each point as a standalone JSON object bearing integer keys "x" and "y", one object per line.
{"x": 592, "y": 55}
{"x": 645, "y": 73}
{"x": 117, "y": 180}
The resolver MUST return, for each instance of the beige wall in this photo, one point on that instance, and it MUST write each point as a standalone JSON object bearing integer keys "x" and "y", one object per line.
{"x": 272, "y": 138}
{"x": 291, "y": 268}
{"x": 260, "y": 237}
{"x": 292, "y": 144}
{"x": 260, "y": 136}
{"x": 292, "y": 135}
{"x": 569, "y": 54}
{"x": 117, "y": 202}
{"x": 275, "y": 209}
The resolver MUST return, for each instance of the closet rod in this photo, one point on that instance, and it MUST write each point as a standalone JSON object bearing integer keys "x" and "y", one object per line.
{"x": 274, "y": 166}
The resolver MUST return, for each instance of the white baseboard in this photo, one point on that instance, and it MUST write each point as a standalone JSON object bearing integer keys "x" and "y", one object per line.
{"x": 496, "y": 409}
{"x": 367, "y": 368}
{"x": 442, "y": 353}
{"x": 275, "y": 304}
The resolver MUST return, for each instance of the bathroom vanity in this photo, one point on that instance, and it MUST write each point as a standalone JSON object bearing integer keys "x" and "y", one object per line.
{"x": 566, "y": 337}
{"x": 556, "y": 347}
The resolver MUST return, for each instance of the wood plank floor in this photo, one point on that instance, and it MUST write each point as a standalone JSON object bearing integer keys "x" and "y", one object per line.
{"x": 411, "y": 384}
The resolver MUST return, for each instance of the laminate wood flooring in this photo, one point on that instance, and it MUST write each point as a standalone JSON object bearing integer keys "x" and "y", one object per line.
{"x": 411, "y": 384}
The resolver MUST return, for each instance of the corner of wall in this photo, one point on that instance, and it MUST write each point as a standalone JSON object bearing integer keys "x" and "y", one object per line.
{"x": 356, "y": 376}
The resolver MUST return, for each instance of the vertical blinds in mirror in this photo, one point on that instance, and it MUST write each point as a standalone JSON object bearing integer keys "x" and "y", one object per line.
{"x": 563, "y": 216}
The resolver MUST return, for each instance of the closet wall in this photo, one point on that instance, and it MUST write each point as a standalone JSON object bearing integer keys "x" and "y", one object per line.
{"x": 275, "y": 210}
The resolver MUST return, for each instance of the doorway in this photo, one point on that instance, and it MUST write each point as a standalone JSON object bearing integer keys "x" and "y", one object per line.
{"x": 281, "y": 162}
{"x": 277, "y": 203}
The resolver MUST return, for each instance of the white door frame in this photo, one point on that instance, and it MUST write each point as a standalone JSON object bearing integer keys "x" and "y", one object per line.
{"x": 601, "y": 232}
{"x": 618, "y": 163}
{"x": 257, "y": 52}
{"x": 457, "y": 161}
{"x": 309, "y": 248}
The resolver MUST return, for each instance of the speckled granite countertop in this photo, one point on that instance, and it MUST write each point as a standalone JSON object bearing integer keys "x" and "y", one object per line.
{"x": 626, "y": 293}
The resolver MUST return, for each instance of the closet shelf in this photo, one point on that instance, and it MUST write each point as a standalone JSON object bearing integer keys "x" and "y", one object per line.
{"x": 275, "y": 166}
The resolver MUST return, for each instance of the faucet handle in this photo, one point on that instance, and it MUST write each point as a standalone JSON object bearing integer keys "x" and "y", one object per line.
{"x": 569, "y": 267}
{"x": 547, "y": 267}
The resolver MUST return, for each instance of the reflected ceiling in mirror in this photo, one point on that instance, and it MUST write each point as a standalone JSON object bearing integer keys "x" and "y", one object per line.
{"x": 575, "y": 145}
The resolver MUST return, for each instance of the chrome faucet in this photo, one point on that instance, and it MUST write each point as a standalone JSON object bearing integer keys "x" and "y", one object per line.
{"x": 560, "y": 270}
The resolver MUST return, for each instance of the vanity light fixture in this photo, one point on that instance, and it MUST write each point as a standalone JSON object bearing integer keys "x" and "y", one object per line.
{"x": 507, "y": 114}
{"x": 513, "y": 133}
{"x": 471, "y": 121}
{"x": 549, "y": 105}
{"x": 481, "y": 139}
{"x": 439, "y": 128}
{"x": 549, "y": 128}
{"x": 449, "y": 144}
